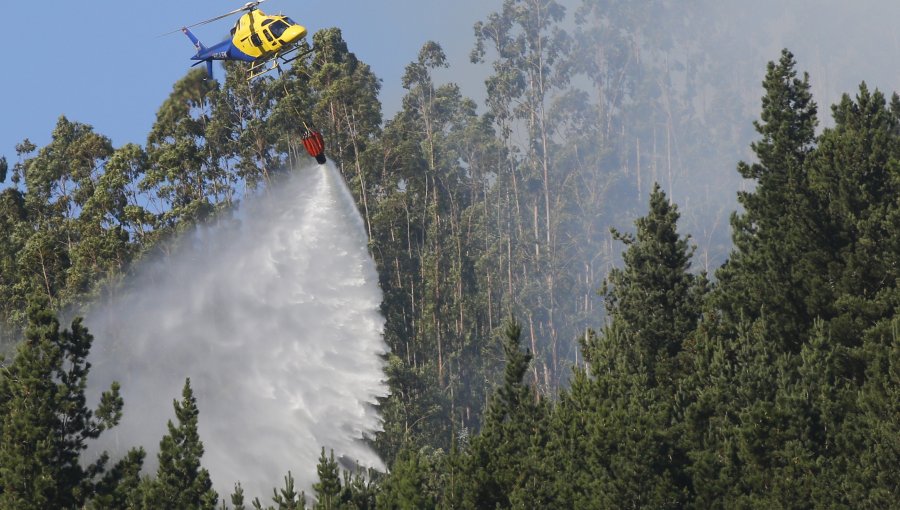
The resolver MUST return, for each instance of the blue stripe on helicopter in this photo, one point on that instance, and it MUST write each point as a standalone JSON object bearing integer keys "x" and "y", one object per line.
{"x": 223, "y": 50}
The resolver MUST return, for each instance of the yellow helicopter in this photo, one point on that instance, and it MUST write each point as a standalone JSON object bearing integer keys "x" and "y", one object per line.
{"x": 257, "y": 38}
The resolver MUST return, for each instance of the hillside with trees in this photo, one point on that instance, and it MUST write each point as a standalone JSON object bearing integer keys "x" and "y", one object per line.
{"x": 557, "y": 339}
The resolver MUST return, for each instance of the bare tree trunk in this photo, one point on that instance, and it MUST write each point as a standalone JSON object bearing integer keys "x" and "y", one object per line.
{"x": 533, "y": 350}
{"x": 351, "y": 126}
{"x": 637, "y": 140}
{"x": 46, "y": 277}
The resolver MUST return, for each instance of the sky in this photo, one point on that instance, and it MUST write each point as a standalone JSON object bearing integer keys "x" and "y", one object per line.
{"x": 104, "y": 62}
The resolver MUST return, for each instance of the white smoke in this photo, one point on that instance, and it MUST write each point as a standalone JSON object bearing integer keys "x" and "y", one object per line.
{"x": 275, "y": 318}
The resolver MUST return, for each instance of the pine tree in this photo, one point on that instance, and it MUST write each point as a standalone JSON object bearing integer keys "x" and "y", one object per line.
{"x": 237, "y": 497}
{"x": 869, "y": 439}
{"x": 180, "y": 480}
{"x": 287, "y": 498}
{"x": 504, "y": 465}
{"x": 328, "y": 489}
{"x": 812, "y": 275}
{"x": 121, "y": 485}
{"x": 654, "y": 300}
{"x": 619, "y": 418}
{"x": 14, "y": 229}
{"x": 615, "y": 436}
{"x": 46, "y": 424}
{"x": 775, "y": 268}
{"x": 360, "y": 489}
{"x": 405, "y": 487}
{"x": 852, "y": 176}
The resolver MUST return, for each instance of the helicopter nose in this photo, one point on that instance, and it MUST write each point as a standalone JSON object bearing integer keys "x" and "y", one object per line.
{"x": 293, "y": 33}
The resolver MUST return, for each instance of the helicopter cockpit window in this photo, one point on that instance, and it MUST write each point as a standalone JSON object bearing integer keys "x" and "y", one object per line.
{"x": 289, "y": 21}
{"x": 278, "y": 28}
{"x": 255, "y": 40}
{"x": 266, "y": 22}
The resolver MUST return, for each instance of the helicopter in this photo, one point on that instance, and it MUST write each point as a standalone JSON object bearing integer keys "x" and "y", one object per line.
{"x": 256, "y": 37}
{"x": 261, "y": 40}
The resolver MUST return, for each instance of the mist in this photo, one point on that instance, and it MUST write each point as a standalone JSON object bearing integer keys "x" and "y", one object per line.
{"x": 711, "y": 57}
{"x": 677, "y": 87}
{"x": 274, "y": 317}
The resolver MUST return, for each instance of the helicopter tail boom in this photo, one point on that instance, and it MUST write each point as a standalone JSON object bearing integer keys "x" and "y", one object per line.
{"x": 220, "y": 51}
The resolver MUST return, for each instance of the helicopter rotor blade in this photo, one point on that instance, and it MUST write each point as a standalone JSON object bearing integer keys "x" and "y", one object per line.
{"x": 249, "y": 6}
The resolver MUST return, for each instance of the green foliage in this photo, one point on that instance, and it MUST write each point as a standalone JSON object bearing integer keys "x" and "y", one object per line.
{"x": 779, "y": 388}
{"x": 121, "y": 485}
{"x": 406, "y": 488}
{"x": 869, "y": 463}
{"x": 180, "y": 169}
{"x": 536, "y": 228}
{"x": 237, "y": 497}
{"x": 46, "y": 424}
{"x": 346, "y": 107}
{"x": 426, "y": 246}
{"x": 328, "y": 488}
{"x": 76, "y": 225}
{"x": 180, "y": 480}
{"x": 504, "y": 467}
{"x": 779, "y": 239}
{"x": 654, "y": 300}
{"x": 285, "y": 498}
{"x": 13, "y": 232}
{"x": 616, "y": 431}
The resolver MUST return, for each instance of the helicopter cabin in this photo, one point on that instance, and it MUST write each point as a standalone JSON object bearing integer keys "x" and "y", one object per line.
{"x": 259, "y": 35}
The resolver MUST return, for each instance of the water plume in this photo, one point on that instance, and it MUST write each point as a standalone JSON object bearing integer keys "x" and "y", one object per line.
{"x": 275, "y": 318}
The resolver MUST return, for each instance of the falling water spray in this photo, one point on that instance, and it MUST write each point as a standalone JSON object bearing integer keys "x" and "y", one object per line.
{"x": 275, "y": 318}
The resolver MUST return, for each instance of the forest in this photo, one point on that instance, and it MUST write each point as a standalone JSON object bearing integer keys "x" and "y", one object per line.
{"x": 561, "y": 334}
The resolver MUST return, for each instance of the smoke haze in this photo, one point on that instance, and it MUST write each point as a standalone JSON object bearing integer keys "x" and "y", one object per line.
{"x": 275, "y": 318}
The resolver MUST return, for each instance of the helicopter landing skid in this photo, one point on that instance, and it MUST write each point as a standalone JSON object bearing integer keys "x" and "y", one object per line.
{"x": 258, "y": 68}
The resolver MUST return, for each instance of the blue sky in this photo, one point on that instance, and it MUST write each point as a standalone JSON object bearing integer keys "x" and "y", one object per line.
{"x": 104, "y": 64}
